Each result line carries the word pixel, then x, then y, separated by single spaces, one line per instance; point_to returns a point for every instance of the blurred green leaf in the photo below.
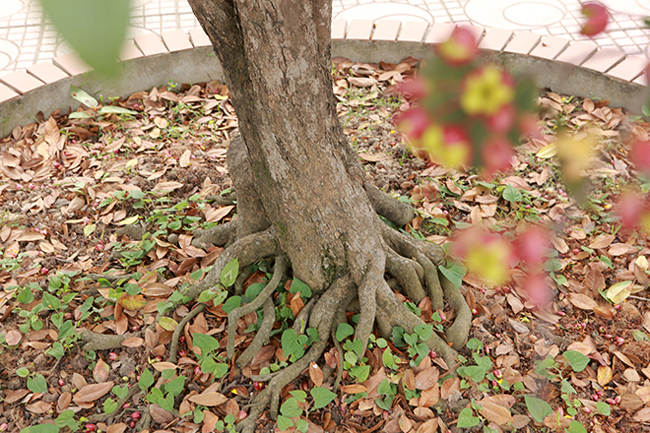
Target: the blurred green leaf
pixel 96 29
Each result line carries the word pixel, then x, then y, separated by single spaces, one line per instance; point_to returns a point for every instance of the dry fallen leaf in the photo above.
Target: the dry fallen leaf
pixel 209 399
pixel 90 393
pixel 582 301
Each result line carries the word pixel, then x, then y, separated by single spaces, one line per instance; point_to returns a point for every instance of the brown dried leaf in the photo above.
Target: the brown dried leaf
pixel 449 387
pixel 160 415
pixel 620 249
pixel 167 186
pixel 494 412
pixel 429 397
pixel 602 241
pixel 13 337
pixel 316 374
pixel 116 428
pixel 630 401
pixel 296 304
pixel 604 375
pixel 133 342
pixel 355 388
pixel 164 365
pixel 427 378
pixel 101 371
pixel 374 157
pixel 209 399
pixel 582 301
pixel 16 395
pixel 361 81
pixel 213 215
pixel 409 379
pixel 90 393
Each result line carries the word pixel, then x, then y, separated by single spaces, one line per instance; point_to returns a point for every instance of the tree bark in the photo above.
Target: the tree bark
pixel 276 58
pixel 301 191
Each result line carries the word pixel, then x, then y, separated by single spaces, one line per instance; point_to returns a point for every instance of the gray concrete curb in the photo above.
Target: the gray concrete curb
pixel 564 66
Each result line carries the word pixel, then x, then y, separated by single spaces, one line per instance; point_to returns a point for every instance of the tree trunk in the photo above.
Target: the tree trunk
pixel 300 183
pixel 277 68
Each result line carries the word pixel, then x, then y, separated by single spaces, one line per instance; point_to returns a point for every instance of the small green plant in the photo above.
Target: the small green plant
pixel 291 408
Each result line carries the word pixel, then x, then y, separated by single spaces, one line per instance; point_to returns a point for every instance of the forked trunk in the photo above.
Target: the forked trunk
pixel 276 58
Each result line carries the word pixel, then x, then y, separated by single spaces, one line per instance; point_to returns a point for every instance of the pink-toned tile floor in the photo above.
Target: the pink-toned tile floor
pixel 27 39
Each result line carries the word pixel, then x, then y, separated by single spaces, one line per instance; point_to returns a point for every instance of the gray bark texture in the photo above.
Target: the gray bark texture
pixel 275 55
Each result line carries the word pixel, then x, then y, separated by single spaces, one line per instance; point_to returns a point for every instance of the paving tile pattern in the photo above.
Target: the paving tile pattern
pixel 27 38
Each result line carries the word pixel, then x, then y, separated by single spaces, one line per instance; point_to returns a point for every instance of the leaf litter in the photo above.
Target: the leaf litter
pixel 98 209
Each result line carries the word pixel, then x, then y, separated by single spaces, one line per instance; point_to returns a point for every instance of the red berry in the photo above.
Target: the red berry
pixel 132 424
pixel 181 339
pixel 90 427
pixel 433 354
pixel 112 356
pixel 136 415
pixel 242 414
pixel 197 370
pixel 259 385
pixel 182 353
pixel 474 311
pixel 61 382
pixel 125 405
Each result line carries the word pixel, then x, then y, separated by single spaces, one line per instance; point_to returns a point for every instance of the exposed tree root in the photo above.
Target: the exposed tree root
pixel 247 250
pixel 222 234
pixel 457 333
pixel 173 349
pixel 279 270
pixel 386 206
pixel 412 263
pixel 335 297
pixel 406 273
pixel 392 313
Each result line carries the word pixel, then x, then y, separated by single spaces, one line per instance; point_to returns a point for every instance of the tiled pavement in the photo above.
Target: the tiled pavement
pixel 27 39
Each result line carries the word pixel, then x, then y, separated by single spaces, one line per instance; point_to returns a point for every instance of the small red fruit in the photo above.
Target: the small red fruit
pixel 259 385
pixel 126 405
pixel 197 370
pixel 136 415
pixel 242 414
pixel 132 424
pixel 61 382
pixel 182 353
pixel 112 356
pixel 90 427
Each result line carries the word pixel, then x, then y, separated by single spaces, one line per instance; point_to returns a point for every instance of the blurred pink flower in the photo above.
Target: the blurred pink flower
pixel 460 49
pixel 597 18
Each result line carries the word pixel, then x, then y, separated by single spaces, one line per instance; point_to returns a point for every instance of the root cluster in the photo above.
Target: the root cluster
pixel 411 263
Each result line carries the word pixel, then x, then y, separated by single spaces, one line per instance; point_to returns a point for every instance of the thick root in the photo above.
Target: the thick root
pixel 393 210
pixel 262 335
pixel 279 270
pixel 173 350
pixel 223 234
pixel 457 333
pixel 247 250
pixel 367 294
pixel 94 341
pixel 329 304
pixel 392 313
pixel 407 275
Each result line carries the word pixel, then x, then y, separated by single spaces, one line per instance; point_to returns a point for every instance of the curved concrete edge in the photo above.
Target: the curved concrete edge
pixel 573 67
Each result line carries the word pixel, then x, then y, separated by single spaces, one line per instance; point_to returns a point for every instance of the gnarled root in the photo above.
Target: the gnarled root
pixel 223 234
pixel 279 270
pixel 247 250
pixel 335 297
pixel 425 256
pixel 386 206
